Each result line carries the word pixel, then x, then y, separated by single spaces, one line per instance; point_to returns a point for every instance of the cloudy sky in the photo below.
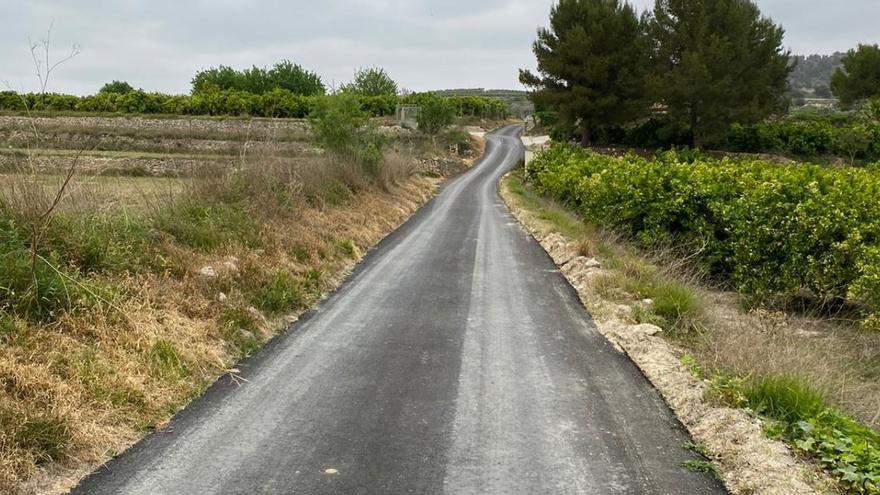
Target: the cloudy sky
pixel 424 44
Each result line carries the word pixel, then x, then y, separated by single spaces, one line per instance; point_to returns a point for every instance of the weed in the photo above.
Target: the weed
pixel 208 226
pixel 165 362
pixel 784 398
pixel 239 330
pixel 282 292
pixel 692 365
pixel 347 247
pixel 700 466
pixel 43 435
pixel 726 390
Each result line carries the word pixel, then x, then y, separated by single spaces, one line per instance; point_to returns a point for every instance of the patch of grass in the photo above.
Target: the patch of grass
pixel 165 362
pixel 37 289
pixel 700 466
pixel 692 365
pixel 281 292
pixel 564 221
pixel 726 390
pixel 102 243
pixel 239 330
pixel 300 253
pixel 207 226
pixel 347 247
pixel 101 380
pixel 785 398
pixel 333 192
pixel 677 304
pixel 43 435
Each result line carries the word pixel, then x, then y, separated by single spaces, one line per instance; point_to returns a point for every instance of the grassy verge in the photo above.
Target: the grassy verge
pixel 805 377
pixel 136 293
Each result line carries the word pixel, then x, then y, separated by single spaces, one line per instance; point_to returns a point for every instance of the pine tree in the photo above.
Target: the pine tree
pixel 717 62
pixel 860 78
pixel 592 65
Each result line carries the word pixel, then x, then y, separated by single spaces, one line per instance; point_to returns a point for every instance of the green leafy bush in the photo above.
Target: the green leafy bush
pixel 769 229
pixel 275 102
pixel 341 127
pixel 810 137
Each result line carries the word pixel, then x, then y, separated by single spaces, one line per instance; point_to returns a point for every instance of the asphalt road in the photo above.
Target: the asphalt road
pixel 456 359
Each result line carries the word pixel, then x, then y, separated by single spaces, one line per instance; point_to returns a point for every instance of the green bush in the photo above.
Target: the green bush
pixel 275 102
pixel 435 114
pixel 36 289
pixel 282 292
pixel 809 137
pixel 769 229
pixel 783 398
pixel 340 126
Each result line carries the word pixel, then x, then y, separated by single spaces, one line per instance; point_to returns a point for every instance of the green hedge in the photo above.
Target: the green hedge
pixel 275 103
pixel 770 229
pixel 808 138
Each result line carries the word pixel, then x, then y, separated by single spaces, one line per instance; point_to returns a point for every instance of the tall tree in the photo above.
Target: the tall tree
pixel 860 77
pixel 717 62
pixel 119 87
pixel 257 80
pixel 372 81
pixel 591 64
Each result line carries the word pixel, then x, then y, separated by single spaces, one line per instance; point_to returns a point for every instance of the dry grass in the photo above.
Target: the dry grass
pixel 134 329
pixel 839 359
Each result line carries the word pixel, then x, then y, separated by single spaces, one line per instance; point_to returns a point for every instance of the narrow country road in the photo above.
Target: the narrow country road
pixel 455 360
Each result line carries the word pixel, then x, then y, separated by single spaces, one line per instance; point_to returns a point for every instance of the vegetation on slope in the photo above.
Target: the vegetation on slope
pixel 130 295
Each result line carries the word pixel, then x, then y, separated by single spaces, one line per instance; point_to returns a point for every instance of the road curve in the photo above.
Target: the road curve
pixel 456 359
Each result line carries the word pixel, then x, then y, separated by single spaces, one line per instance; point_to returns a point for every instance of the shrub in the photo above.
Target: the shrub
pixel 340 126
pixel 784 398
pixel 281 292
pixel 435 114
pixel 769 229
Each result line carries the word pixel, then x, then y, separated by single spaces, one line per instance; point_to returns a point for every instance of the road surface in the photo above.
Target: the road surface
pixel 456 359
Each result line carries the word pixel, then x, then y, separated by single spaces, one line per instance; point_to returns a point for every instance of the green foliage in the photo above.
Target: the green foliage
pixel 165 362
pixel 859 78
pixel 692 365
pixel 592 63
pixel 272 103
pixel 769 229
pixel 435 115
pixel 117 87
pixel 239 327
pixel 340 126
pixel 372 81
pixel 43 434
pixel 813 137
pixel 700 466
pixel 783 398
pixel 207 226
pixel 282 292
pixel 813 71
pixel 846 449
pixel 717 62
pixel 36 289
pixel 283 75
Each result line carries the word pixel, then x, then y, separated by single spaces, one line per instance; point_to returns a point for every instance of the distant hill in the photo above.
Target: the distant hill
pixel 812 74
pixel 517 101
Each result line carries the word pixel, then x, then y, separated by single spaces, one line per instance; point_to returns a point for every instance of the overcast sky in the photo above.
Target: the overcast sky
pixel 424 44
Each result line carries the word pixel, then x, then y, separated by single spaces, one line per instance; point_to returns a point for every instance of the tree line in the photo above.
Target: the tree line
pixel 695 66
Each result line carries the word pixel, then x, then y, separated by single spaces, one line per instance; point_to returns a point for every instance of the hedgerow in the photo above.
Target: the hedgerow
pixel 808 138
pixel 768 229
pixel 275 103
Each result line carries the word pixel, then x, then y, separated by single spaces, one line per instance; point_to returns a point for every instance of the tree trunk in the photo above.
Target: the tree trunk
pixel 586 140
